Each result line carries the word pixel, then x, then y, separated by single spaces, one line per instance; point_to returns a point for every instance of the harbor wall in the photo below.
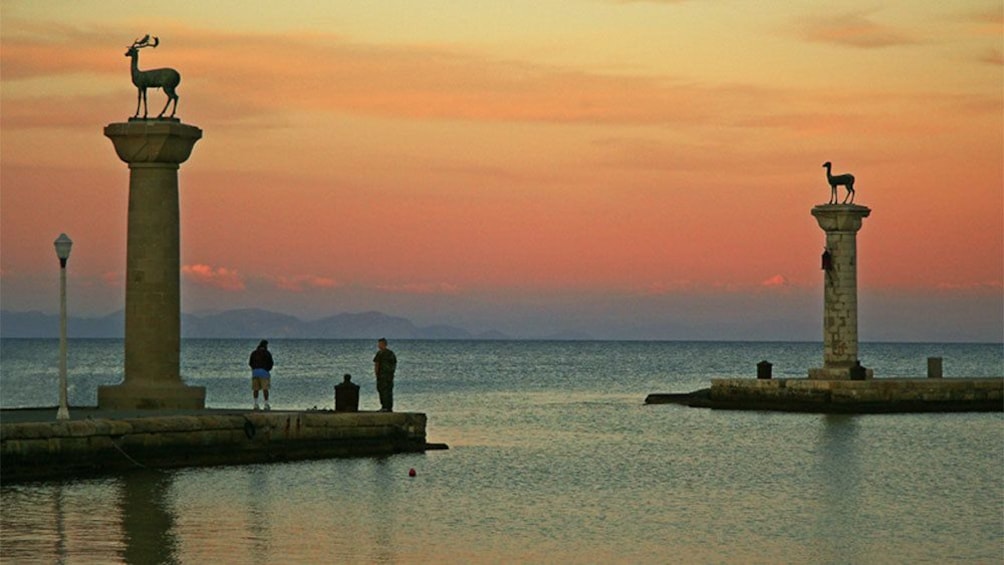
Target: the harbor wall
pixel 872 395
pixel 38 450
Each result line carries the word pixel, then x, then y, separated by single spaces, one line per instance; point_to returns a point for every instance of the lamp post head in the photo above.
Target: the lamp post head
pixel 63 245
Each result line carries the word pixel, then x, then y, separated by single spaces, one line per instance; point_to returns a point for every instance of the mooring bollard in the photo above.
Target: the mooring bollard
pixel 347 395
pixel 858 373
pixel 934 368
pixel 764 370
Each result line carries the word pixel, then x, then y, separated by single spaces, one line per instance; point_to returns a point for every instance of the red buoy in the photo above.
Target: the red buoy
pixel 411 472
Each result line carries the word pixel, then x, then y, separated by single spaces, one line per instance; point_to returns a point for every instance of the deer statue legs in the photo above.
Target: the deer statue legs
pixel 141 101
pixel 850 194
pixel 171 97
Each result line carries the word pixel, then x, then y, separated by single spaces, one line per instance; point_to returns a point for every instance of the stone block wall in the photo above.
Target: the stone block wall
pixel 33 450
pixel 875 395
pixel 840 289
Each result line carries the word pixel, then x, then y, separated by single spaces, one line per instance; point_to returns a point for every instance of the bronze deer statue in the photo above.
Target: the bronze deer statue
pixel 167 79
pixel 845 180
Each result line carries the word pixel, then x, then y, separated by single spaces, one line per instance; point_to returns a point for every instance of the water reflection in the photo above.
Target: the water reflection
pixel 382 501
pixel 259 494
pixel 60 520
pixel 838 473
pixel 147 523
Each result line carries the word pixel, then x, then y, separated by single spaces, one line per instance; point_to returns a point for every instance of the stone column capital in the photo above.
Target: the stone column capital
pixel 840 217
pixel 153 141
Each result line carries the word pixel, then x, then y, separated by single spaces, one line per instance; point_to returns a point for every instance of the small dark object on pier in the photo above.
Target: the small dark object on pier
pixel 347 395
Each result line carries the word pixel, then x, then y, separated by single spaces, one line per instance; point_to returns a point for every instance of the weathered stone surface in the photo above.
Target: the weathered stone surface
pixel 153 141
pixel 876 395
pixel 31 450
pixel 840 304
pixel 154 150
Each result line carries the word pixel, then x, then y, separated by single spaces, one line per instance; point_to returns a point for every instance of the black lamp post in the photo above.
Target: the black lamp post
pixel 63 245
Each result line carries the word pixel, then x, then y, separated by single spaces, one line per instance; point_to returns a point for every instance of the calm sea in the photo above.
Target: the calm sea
pixel 553 458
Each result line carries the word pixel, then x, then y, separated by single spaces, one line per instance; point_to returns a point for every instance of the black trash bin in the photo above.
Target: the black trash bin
pixel 858 373
pixel 763 370
pixel 347 396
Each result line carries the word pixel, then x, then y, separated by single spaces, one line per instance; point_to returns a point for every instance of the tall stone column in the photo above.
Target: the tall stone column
pixel 154 150
pixel 841 223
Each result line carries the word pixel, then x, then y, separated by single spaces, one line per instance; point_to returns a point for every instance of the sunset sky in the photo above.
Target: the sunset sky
pixel 627 169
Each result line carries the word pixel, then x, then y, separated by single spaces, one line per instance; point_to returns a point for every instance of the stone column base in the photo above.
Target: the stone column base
pixel 836 374
pixel 146 397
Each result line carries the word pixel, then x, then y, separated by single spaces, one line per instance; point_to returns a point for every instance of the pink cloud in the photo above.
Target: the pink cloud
pixel 220 277
pixel 299 283
pixel 113 279
pixel 775 282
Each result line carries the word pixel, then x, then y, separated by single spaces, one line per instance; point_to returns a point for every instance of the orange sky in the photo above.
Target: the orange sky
pixel 613 167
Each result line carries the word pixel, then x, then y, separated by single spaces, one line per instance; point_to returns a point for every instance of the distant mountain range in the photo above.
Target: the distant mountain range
pixel 247 323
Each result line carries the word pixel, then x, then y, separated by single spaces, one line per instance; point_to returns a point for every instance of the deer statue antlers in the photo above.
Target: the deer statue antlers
pixel 145 42
pixel 166 79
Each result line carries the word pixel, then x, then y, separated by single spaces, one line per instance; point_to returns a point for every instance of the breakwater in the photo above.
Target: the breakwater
pixel 846 396
pixel 99 442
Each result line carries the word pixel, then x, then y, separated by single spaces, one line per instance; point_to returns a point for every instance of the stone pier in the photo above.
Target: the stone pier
pixel 33 446
pixel 841 223
pixel 833 396
pixel 154 151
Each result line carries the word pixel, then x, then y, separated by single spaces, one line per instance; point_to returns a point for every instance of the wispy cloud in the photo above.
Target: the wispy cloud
pixel 993 56
pixel 421 288
pixel 661 288
pixel 687 286
pixel 326 73
pixel 219 277
pixel 301 283
pixel 988 23
pixel 317 73
pixel 985 286
pixel 772 283
pixel 32 49
pixel 852 30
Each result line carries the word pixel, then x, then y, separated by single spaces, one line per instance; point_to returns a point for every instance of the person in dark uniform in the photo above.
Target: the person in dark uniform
pixel 261 367
pixel 384 365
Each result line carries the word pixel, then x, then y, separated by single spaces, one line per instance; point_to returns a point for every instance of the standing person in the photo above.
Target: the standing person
pixel 384 365
pixel 261 365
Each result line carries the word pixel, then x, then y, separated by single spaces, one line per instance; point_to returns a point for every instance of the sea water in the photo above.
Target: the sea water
pixel 553 458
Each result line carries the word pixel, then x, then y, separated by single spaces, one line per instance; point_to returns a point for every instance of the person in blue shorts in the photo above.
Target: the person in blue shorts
pixel 261 367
